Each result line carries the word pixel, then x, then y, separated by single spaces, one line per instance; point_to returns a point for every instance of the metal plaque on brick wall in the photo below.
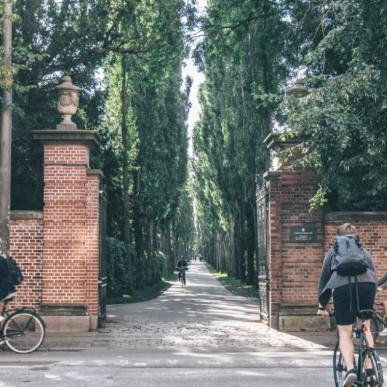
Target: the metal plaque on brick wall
pixel 302 234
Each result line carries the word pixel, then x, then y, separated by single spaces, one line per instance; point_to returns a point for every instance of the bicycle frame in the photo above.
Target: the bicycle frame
pixel 365 354
pixel 363 347
pixel 181 272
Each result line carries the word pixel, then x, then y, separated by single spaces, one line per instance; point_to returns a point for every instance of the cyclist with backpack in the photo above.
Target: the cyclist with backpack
pixel 348 274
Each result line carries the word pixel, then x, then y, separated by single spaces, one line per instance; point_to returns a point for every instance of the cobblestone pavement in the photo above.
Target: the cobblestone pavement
pixel 201 317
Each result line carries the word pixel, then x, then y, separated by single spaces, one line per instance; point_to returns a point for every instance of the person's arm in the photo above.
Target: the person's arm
pixel 325 275
pixel 370 261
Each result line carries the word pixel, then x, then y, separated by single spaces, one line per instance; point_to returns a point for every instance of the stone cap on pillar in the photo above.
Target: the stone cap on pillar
pixel 279 144
pixel 75 136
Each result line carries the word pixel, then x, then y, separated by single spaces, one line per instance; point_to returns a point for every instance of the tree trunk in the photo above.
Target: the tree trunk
pixel 137 225
pixel 237 245
pixel 125 171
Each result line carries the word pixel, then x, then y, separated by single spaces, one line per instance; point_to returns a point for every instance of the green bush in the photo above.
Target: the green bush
pixel 117 268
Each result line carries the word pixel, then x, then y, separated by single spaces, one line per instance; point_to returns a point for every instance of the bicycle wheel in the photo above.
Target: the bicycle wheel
pixel 24 332
pixel 339 368
pixel 376 380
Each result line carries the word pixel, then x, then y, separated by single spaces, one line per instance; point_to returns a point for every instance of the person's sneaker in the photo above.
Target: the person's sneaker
pixel 350 378
pixel 383 332
pixel 2 318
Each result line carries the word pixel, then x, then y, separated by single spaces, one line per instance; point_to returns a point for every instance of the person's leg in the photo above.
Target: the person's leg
pixel 345 316
pixel 367 293
pixel 346 345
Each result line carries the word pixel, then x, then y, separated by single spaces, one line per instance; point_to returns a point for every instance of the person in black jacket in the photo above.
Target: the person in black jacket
pixel 6 287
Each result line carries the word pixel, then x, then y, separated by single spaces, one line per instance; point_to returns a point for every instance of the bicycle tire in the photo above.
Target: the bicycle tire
pixel 339 368
pixel 24 331
pixel 379 367
pixel 377 379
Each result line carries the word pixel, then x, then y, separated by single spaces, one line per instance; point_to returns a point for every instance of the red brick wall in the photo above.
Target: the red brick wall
pixel 92 260
pixel 65 228
pixel 294 267
pixel 27 249
pixel 71 227
pixel 58 250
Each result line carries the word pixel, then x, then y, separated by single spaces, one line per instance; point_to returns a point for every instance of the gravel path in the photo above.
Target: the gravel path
pixel 201 317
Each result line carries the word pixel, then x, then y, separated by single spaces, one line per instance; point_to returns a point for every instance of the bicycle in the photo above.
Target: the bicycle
pixel 22 330
pixel 373 378
pixel 181 271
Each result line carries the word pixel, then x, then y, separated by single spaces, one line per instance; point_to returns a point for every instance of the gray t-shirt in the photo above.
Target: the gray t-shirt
pixel 330 280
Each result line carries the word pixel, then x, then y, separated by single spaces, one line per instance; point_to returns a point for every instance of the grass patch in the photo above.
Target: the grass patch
pixel 145 294
pixel 234 285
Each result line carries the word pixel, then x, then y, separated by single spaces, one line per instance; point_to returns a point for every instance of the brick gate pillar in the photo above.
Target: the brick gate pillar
pixel 296 243
pixel 70 231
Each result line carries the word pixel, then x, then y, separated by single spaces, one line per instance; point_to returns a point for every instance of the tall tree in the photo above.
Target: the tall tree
pixel 343 119
pixel 244 51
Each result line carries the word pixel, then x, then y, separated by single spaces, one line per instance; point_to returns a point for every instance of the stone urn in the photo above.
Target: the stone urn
pixel 67 103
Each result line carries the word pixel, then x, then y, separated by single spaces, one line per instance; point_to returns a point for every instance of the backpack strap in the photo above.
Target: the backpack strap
pixel 357 295
pixel 350 294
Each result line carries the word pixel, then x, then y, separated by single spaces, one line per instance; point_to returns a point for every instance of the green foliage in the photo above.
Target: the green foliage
pixel 116 268
pixel 244 56
pixel 234 285
pixel 126 56
pixel 145 114
pixel 345 116
pixel 147 293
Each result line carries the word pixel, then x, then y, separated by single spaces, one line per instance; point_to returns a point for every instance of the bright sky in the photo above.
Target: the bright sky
pixel 198 77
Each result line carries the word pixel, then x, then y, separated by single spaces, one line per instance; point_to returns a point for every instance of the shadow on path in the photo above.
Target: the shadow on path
pixel 201 317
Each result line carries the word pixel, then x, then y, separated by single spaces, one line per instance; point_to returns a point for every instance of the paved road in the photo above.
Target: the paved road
pixel 201 317
pixel 200 335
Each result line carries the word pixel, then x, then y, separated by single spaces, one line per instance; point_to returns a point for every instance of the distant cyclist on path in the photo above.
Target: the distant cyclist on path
pixel 181 268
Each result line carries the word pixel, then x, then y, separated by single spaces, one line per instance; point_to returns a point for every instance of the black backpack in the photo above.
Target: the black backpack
pixel 349 259
pixel 14 271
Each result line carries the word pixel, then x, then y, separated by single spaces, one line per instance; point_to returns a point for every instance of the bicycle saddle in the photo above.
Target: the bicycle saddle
pixel 365 314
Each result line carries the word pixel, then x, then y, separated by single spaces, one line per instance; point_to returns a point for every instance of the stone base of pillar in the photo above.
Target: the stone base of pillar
pixel 94 323
pixel 66 318
pixel 296 318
